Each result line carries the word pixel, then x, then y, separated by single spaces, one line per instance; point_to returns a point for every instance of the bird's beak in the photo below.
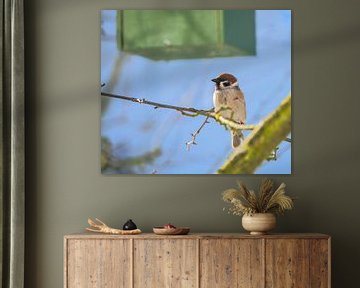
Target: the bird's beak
pixel 216 80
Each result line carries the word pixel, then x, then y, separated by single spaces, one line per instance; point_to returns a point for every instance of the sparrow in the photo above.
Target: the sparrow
pixel 229 102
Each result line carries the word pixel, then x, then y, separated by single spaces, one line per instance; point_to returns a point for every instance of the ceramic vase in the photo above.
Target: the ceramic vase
pixel 259 223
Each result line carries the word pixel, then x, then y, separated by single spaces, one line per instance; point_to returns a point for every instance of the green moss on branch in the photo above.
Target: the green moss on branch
pixel 261 142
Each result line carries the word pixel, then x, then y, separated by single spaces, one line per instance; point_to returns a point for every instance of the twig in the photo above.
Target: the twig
pixel 194 135
pixel 185 110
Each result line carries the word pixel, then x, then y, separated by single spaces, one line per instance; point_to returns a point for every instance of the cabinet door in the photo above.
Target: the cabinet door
pixel 98 263
pixel 287 263
pixel 230 263
pixel 165 263
pixel 320 263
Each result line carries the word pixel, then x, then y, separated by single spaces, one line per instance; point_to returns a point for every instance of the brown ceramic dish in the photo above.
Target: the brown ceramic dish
pixel 171 231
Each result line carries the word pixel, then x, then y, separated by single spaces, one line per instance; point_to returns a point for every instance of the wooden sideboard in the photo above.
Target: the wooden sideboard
pixel 197 260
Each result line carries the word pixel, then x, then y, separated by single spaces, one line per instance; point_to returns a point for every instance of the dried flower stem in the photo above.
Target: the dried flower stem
pixel 267 200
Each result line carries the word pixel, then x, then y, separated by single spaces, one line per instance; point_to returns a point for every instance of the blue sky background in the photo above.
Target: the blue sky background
pixel 135 129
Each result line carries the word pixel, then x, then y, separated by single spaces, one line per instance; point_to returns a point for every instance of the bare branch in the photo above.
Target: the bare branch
pixel 194 135
pixel 232 124
pixel 186 111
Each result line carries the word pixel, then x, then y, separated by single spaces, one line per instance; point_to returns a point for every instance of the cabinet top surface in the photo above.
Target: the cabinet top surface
pixel 87 235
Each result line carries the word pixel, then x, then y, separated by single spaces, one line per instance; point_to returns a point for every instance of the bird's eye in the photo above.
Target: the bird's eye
pixel 226 83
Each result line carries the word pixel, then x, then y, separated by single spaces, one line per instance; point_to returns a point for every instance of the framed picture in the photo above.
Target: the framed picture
pixel 196 92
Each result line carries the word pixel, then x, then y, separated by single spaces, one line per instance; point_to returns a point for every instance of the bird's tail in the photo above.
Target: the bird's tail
pixel 236 138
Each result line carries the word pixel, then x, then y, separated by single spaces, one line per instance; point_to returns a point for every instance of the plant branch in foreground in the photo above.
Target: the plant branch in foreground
pixel 261 142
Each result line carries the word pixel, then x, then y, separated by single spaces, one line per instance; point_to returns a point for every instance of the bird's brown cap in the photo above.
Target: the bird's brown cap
pixel 225 77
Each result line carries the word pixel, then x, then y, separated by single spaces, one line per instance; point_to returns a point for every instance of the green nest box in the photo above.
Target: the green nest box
pixel 181 34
